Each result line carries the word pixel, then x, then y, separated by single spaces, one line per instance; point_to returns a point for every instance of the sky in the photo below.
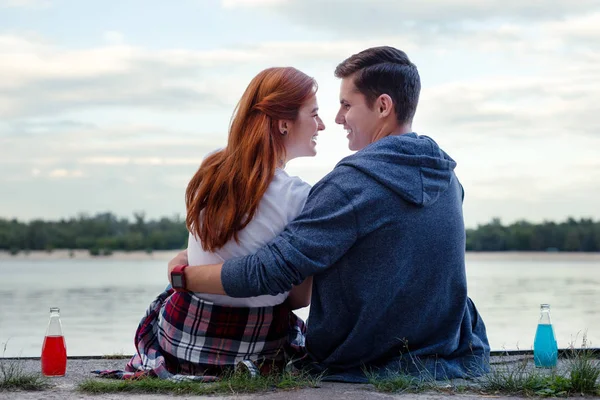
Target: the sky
pixel 111 105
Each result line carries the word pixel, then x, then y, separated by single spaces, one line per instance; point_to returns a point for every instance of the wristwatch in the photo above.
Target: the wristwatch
pixel 178 278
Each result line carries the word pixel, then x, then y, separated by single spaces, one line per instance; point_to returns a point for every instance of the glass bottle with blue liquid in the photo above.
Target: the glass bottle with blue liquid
pixel 545 348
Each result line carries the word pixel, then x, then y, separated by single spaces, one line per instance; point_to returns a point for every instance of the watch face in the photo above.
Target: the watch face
pixel 177 281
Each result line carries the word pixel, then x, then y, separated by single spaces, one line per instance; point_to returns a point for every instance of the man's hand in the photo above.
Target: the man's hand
pixel 180 259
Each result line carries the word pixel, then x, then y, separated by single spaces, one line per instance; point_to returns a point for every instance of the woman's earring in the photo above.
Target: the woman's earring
pixel 284 133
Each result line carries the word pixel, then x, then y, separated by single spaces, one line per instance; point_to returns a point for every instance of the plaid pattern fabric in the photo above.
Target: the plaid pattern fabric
pixel 183 337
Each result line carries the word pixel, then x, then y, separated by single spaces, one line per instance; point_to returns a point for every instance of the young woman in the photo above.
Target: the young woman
pixel 239 199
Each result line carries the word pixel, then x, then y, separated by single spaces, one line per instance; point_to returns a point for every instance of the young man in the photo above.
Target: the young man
pixel 383 235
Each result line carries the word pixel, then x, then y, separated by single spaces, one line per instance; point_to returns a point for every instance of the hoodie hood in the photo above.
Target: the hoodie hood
pixel 413 166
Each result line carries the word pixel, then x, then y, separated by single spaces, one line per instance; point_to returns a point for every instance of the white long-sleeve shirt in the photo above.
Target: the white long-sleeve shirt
pixel 281 203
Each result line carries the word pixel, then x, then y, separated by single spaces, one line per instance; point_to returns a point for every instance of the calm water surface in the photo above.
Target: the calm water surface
pixel 102 300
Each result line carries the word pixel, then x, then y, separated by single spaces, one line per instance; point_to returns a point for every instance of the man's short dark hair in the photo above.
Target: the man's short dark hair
pixel 385 70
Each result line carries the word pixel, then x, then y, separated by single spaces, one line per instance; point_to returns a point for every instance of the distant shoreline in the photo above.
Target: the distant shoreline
pixel 168 254
pixel 85 255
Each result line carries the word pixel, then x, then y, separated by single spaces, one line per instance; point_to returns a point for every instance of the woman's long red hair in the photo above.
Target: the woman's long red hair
pixel 222 197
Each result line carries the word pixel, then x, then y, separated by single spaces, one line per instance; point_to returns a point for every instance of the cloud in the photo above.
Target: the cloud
pixel 358 17
pixel 61 173
pixel 118 190
pixel 43 146
pixel 149 161
pixel 557 204
pixel 251 3
pixel 114 37
pixel 33 4
pixel 582 29
pixel 530 80
pixel 40 78
pixel 98 167
pixel 32 127
pixel 514 106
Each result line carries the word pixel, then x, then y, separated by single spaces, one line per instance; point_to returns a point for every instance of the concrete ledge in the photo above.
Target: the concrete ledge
pixel 494 354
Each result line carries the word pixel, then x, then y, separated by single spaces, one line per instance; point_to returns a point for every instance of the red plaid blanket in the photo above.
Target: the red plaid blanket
pixel 183 337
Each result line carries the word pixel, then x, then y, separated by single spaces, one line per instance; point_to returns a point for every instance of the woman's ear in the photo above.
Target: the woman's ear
pixel 283 126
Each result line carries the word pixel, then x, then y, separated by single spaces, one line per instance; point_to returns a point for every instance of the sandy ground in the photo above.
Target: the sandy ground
pixel 78 370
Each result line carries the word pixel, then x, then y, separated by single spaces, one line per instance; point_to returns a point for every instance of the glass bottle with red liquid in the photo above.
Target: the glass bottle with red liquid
pixel 54 349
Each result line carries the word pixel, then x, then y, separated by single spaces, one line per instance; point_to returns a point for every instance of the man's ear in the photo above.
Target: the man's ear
pixel 384 105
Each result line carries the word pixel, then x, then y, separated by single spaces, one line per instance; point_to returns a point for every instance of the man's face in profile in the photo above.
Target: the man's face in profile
pixel 358 119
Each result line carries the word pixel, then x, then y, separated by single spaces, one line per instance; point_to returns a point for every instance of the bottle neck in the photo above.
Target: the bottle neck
pixel 54 326
pixel 545 317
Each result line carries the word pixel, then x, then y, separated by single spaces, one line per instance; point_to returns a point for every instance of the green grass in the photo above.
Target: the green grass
pixel 231 384
pixel 523 379
pixel 584 371
pixel 114 356
pixel 399 383
pixel 12 377
pixel 578 375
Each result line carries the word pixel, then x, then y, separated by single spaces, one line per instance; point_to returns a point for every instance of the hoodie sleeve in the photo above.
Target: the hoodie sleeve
pixel 322 233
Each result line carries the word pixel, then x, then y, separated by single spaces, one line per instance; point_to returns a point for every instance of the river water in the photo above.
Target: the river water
pixel 103 299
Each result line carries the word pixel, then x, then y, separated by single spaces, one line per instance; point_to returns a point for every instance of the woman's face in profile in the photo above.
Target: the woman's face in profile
pixel 301 140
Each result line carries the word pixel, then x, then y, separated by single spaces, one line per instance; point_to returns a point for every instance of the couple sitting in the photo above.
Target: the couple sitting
pixel 377 247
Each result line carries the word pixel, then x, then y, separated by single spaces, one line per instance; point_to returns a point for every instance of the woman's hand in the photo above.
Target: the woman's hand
pixel 199 278
pixel 180 259
pixel 300 295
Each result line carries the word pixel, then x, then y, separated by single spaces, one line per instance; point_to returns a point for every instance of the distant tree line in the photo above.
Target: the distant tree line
pixel 104 233
pixel 571 235
pixel 100 234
